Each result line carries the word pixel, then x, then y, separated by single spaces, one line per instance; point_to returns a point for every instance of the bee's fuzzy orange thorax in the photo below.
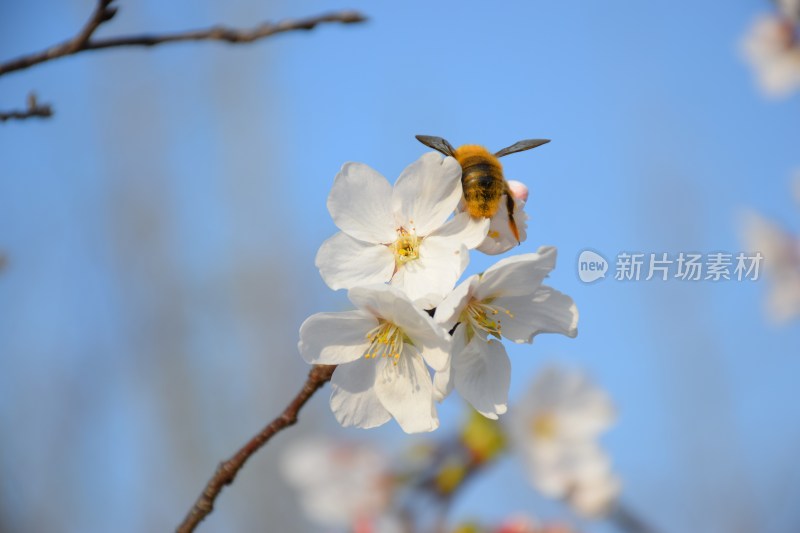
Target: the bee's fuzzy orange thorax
pixel 474 152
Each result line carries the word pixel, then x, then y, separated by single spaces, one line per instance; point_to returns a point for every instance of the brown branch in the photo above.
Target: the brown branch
pixel 230 35
pixel 83 40
pixel 226 472
pixel 34 109
pixel 102 13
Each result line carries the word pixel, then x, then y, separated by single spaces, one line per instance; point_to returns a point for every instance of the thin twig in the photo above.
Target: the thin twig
pixel 226 471
pixel 103 12
pixel 33 109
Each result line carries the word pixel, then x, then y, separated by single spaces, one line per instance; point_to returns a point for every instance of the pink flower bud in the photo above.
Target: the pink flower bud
pixel 518 190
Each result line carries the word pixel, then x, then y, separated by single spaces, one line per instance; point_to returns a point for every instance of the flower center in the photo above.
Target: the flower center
pixel 544 426
pixel 386 340
pixel 406 247
pixel 485 317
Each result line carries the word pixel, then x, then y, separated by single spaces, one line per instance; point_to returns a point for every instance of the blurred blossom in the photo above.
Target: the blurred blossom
pixel 556 528
pixel 400 234
pixel 772 49
pixel 781 251
pixel 508 300
pixel 515 524
pixel 595 487
pixel 380 524
pixel 519 524
pixel 556 428
pixel 382 349
pixel 790 9
pixel 341 484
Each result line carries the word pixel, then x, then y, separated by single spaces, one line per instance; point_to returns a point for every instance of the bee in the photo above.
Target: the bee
pixel 482 175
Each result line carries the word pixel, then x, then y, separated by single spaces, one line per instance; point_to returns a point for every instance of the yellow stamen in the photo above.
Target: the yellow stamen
pixel 406 247
pixel 386 340
pixel 484 316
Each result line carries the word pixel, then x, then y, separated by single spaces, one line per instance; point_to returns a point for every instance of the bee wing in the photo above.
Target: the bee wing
pixel 437 143
pixel 521 146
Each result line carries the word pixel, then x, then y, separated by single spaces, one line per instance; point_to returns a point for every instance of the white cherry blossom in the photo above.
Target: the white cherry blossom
pixel 401 234
pixel 508 300
pixel 382 349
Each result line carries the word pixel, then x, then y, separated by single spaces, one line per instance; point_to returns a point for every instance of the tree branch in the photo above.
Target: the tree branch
pixel 34 109
pixel 226 471
pixel 230 35
pixel 103 12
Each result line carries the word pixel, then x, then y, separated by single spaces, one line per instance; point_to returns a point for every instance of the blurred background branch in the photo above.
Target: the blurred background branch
pixel 226 472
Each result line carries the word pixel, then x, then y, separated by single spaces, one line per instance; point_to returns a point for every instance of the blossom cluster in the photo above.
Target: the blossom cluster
pixel 362 487
pixel 414 335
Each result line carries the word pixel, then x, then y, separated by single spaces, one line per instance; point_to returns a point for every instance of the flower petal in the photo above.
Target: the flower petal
pixel 500 238
pixel 518 275
pixel 429 337
pixel 427 283
pixel 360 204
pixel 547 311
pixel 335 338
pixel 426 193
pixel 443 382
pixel 449 310
pixel 353 398
pixel 393 305
pixel 443 256
pixel 482 375
pixel 406 391
pixel 381 300
pixel 463 228
pixel 345 262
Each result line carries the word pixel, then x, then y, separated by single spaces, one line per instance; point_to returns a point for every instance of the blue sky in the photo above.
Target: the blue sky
pixel 190 181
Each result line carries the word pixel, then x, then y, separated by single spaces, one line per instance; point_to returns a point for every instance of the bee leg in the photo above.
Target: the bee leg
pixel 511 222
